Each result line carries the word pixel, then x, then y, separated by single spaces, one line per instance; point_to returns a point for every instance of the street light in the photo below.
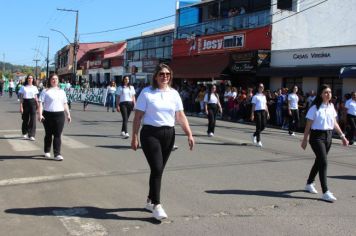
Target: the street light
pixel 75 46
pixel 62 35
pixel 46 37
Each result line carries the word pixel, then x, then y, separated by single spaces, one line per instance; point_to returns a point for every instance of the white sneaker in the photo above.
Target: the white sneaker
pixel 329 197
pixel 25 136
pixel 58 158
pixel 211 134
pixel 310 188
pixel 175 147
pixel 47 155
pixel 159 213
pixel 127 135
pixel 32 138
pixel 259 144
pixel 123 133
pixel 254 139
pixel 292 134
pixel 149 206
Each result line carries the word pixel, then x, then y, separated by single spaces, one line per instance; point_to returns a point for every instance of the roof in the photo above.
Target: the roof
pixel 86 47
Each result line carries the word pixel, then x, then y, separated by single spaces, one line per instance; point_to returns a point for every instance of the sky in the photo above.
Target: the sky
pixel 22 21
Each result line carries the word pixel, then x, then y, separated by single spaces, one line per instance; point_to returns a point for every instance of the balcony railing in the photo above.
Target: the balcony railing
pixel 239 22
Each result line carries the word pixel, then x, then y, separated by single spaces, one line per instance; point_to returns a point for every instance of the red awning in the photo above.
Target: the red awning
pixel 200 67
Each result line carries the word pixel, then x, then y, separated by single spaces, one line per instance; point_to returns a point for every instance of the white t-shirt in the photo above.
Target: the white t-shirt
pixel 324 118
pixel 125 93
pixel 213 99
pixel 28 91
pixel 293 101
pixel 159 106
pixel 11 84
pixel 227 94
pixel 260 101
pixel 53 99
pixel 351 107
pixel 111 89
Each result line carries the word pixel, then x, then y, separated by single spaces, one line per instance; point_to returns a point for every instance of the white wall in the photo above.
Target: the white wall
pixel 275 83
pixel 332 23
pixel 349 85
pixel 310 83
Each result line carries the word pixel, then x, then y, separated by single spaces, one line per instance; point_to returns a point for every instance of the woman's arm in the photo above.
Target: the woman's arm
pixel 66 110
pixel 252 111
pixel 40 111
pixel 345 142
pixel 306 134
pixel 135 128
pixel 183 121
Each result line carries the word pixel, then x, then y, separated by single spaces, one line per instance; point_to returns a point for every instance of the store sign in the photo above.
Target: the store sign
pixel 243 62
pixel 218 43
pixel 149 65
pixel 318 56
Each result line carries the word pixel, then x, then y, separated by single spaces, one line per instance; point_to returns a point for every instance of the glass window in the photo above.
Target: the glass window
pixel 159 52
pixel 167 52
pixel 335 83
pixel 136 56
pixel 143 54
pixel 291 81
pixel 151 53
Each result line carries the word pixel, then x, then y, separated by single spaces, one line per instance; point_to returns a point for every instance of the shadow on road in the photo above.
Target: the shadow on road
pixel 83 212
pixel 93 135
pixel 33 157
pixel 224 144
pixel 126 147
pixel 263 193
pixel 347 177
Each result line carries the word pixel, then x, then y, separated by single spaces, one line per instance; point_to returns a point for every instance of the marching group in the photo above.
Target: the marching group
pixel 159 106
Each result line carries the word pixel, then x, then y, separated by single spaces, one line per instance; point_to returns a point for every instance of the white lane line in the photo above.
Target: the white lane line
pixel 72 143
pixel 19 144
pixel 15 130
pixel 77 225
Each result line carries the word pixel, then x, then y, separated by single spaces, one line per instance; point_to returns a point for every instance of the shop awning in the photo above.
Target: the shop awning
pixel 348 72
pixel 306 71
pixel 200 67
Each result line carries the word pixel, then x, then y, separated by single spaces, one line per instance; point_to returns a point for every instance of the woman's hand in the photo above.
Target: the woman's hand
pixel 191 142
pixel 304 143
pixel 41 118
pixel 21 110
pixel 69 119
pixel 134 143
pixel 344 140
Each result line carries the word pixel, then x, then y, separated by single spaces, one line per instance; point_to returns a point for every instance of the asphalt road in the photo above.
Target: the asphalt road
pixel 225 186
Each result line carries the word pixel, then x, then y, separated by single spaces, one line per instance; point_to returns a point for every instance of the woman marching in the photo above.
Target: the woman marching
pixel 350 108
pixel 212 106
pixel 158 105
pixel 110 98
pixel 321 121
pixel 28 106
pixel 260 114
pixel 53 105
pixel 125 102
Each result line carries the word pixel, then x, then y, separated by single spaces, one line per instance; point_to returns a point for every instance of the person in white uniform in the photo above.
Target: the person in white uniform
pixel 260 114
pixel 158 106
pixel 350 107
pixel 28 106
pixel 53 105
pixel 293 111
pixel 321 121
pixel 212 106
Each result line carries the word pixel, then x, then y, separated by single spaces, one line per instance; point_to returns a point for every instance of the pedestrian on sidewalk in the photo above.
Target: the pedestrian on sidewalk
pixel 321 121
pixel 28 106
pixel 125 103
pixel 53 104
pixel 260 114
pixel 110 97
pixel 212 106
pixel 293 111
pixel 350 107
pixel 158 106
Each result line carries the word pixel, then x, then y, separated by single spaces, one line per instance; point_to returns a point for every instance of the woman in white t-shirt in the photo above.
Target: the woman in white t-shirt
pixel 212 106
pixel 260 114
pixel 53 104
pixel 110 97
pixel 11 87
pixel 321 121
pixel 125 102
pixel 350 107
pixel 28 106
pixel 293 111
pixel 158 106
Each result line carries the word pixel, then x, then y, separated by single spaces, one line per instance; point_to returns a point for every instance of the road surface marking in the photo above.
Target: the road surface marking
pixel 77 224
pixel 72 143
pixel 20 144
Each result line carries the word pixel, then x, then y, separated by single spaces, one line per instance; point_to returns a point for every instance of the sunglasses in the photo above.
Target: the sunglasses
pixel 164 74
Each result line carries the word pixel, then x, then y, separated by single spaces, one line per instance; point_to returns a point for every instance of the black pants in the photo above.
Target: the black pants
pixel 351 120
pixel 53 124
pixel 212 111
pixel 293 121
pixel 125 108
pixel 29 117
pixel 320 142
pixel 157 144
pixel 261 120
pixel 11 90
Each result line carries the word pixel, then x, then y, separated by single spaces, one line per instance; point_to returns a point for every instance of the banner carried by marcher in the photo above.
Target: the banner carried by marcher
pixel 91 95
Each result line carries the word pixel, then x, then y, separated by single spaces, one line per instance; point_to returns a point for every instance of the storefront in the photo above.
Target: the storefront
pixel 309 68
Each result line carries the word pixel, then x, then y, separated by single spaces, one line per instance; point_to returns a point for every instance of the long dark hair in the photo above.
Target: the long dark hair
pixel 160 67
pixel 210 91
pixel 318 99
pixel 122 81
pixel 33 80
pixel 48 82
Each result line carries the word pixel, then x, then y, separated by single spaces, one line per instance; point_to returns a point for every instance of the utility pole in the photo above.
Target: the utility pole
pixel 75 44
pixel 3 63
pixel 36 71
pixel 47 60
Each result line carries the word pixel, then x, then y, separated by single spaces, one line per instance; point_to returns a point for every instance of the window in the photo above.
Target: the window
pixel 291 81
pixel 285 4
pixel 335 83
